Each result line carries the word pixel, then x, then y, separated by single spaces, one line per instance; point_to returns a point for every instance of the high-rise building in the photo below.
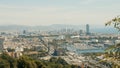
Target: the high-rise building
pixel 87 29
pixel 24 31
pixel 81 32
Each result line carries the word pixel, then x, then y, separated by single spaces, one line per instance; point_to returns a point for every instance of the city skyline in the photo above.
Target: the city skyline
pixel 38 12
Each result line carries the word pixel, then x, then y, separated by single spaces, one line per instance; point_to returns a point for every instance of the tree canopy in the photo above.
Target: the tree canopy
pixel 115 21
pixel 26 62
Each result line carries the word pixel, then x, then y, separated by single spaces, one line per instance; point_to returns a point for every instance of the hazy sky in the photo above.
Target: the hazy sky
pixel 47 12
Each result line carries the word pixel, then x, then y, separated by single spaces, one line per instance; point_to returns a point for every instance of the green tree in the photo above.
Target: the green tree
pixel 39 64
pixel 4 64
pixel 115 21
pixel 26 62
pixel 9 59
pixel 113 52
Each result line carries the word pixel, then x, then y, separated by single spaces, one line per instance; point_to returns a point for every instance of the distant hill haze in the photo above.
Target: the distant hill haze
pixel 57 27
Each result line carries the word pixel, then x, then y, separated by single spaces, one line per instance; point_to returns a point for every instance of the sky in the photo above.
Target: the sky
pixel 48 12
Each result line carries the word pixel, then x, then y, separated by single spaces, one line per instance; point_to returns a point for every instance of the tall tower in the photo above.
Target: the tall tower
pixel 87 29
pixel 24 31
pixel 81 32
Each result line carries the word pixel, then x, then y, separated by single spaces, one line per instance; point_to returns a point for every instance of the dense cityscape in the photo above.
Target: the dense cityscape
pixel 59 34
pixel 75 47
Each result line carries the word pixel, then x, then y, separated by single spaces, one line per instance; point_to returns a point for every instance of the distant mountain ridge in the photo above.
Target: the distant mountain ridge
pixel 56 27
